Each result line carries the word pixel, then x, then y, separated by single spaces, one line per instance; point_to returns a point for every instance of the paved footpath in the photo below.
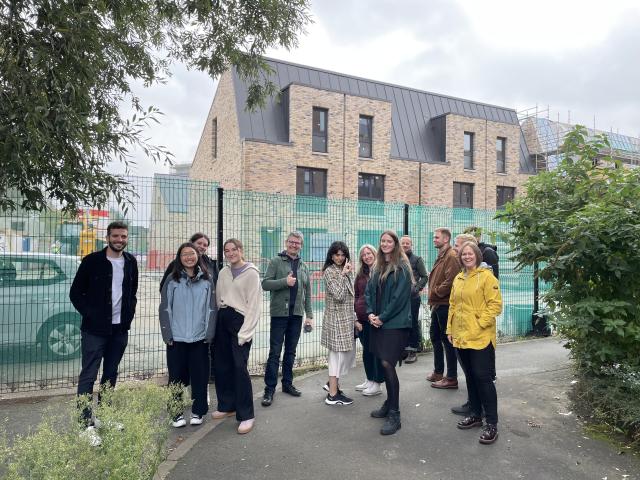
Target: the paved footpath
pixel 302 438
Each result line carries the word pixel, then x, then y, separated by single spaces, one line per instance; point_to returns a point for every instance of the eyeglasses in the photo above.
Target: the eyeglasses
pixel 294 242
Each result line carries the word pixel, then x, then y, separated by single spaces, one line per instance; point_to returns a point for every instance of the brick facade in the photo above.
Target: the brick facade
pixel 269 167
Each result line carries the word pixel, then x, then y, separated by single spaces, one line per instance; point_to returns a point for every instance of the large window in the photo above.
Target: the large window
pixel 504 195
pixel 365 137
pixel 311 188
pixel 311 181
pixel 501 155
pixel 468 150
pixel 320 117
pixel 462 195
pixel 370 187
pixel 214 137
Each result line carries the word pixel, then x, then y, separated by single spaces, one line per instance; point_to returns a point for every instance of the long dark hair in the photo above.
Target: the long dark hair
pixel 176 272
pixel 333 249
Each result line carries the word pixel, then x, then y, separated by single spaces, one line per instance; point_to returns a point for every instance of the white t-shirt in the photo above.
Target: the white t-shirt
pixel 116 288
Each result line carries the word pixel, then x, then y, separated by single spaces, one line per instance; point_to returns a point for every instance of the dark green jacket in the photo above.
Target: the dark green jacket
pixel 275 281
pixel 396 299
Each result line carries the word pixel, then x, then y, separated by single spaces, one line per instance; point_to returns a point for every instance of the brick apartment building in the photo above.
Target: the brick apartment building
pixel 336 136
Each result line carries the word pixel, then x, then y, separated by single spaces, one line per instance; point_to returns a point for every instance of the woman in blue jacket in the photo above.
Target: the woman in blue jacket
pixel 388 297
pixel 187 321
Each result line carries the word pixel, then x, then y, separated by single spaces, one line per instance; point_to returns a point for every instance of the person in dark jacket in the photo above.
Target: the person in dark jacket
pixel 372 366
pixel 104 293
pixel 187 315
pixel 420 277
pixel 388 298
pixel 201 242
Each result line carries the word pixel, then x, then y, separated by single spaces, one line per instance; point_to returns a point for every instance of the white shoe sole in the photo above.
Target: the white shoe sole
pixel 372 394
pixel 336 402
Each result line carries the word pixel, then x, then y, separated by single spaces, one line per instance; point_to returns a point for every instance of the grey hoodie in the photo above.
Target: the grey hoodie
pixel 188 310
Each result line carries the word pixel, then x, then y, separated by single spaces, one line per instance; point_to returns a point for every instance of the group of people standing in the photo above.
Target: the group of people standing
pixel 208 319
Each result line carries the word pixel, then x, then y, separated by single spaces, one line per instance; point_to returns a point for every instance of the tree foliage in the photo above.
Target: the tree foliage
pixel 581 223
pixel 66 69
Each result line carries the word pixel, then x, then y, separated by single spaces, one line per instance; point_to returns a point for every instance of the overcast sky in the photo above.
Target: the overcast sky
pixel 581 58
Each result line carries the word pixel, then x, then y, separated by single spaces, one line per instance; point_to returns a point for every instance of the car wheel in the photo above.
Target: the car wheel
pixel 61 338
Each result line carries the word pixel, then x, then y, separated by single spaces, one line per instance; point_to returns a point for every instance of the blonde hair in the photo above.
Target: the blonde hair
pixel 467 237
pixel 397 259
pixel 361 264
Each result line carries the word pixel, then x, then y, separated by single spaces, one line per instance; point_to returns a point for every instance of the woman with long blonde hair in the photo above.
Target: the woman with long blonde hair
pixel 372 365
pixel 388 297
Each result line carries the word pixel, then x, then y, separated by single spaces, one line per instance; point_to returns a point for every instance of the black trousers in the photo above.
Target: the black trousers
pixel 441 345
pixel 95 349
pixel 372 365
pixel 415 334
pixel 478 367
pixel 233 383
pixel 188 364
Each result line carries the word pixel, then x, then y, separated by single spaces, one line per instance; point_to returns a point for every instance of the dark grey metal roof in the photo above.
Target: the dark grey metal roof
pixel 412 137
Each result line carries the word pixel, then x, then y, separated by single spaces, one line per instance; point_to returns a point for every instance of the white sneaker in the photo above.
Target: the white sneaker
pixel 196 419
pixel 179 421
pixel 374 389
pixel 91 436
pixel 363 386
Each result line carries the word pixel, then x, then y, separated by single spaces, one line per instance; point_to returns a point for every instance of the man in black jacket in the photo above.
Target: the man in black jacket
pixel 104 293
pixel 420 277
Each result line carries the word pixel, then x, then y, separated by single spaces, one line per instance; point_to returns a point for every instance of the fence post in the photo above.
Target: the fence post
pixel 405 222
pixel 220 227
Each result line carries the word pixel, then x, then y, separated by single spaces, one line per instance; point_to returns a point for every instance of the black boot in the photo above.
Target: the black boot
pixel 382 412
pixel 392 425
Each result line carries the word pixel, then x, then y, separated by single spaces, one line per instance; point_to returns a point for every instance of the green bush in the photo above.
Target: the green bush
pixel 57 451
pixel 581 224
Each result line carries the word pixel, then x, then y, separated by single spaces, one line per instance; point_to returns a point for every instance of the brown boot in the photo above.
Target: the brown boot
pixel 446 383
pixel 434 377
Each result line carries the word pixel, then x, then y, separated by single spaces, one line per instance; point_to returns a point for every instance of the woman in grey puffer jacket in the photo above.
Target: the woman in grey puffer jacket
pixel 187 321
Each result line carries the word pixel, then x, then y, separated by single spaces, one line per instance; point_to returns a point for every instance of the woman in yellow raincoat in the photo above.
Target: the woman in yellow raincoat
pixel 474 304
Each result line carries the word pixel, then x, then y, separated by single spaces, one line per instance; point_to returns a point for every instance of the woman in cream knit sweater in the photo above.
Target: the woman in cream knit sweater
pixel 239 300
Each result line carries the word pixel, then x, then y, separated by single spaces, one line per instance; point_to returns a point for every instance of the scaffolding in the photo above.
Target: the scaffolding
pixel 545 136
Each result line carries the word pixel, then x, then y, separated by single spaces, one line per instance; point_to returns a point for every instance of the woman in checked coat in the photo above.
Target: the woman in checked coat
pixel 339 319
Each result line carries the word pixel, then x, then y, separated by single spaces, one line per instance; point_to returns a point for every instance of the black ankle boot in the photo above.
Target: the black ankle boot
pixel 392 425
pixel 382 412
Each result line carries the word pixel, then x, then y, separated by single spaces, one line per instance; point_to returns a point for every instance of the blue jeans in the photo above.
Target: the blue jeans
pixel 284 330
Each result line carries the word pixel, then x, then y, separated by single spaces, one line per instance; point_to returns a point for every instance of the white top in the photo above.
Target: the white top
pixel 116 288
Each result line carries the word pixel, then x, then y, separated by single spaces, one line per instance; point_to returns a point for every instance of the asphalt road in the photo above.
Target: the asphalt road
pixel 302 438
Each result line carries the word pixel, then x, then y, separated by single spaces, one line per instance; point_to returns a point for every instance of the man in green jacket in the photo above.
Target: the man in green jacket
pixel 288 280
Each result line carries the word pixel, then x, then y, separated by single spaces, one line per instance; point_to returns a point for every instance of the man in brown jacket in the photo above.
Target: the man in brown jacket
pixel 445 269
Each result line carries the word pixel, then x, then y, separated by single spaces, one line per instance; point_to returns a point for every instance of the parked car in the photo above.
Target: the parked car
pixel 34 303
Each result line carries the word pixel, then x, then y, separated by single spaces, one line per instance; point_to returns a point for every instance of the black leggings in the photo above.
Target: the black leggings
pixel 392 383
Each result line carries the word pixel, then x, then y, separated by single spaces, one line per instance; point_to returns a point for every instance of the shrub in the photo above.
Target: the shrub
pixel 581 224
pixel 57 451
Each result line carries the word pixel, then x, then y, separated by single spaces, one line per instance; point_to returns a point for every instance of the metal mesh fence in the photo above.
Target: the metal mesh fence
pixel 40 252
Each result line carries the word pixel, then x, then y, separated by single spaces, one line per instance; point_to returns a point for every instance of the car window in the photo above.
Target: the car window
pixel 33 271
pixel 7 272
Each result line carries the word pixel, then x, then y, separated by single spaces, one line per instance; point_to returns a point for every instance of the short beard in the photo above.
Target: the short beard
pixel 117 249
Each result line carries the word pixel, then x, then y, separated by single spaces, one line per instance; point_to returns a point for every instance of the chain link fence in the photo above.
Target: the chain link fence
pixel 40 252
